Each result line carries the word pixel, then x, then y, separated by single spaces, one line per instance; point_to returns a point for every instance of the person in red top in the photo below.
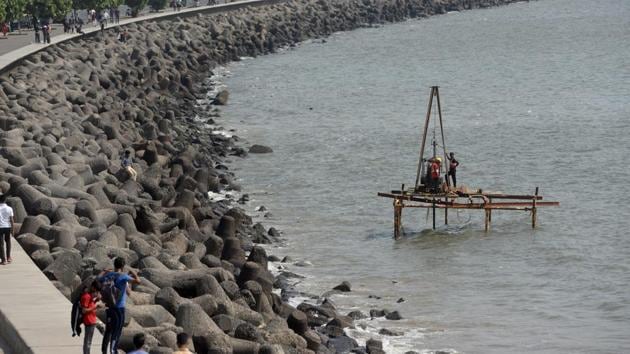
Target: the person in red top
pixel 89 303
pixel 435 173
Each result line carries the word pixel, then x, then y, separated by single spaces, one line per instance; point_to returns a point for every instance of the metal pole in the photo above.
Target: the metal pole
pixel 424 136
pixel 487 221
pixel 433 214
pixel 398 205
pixel 534 209
pixel 490 215
pixel 446 212
pixel 446 165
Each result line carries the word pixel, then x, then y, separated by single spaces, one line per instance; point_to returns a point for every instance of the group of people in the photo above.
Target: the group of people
pixel 72 25
pixel 97 17
pixel 45 28
pixel 434 172
pixel 110 290
pixel 178 4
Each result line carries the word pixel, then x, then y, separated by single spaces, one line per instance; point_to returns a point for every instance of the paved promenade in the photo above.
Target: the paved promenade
pixel 34 315
pixel 12 57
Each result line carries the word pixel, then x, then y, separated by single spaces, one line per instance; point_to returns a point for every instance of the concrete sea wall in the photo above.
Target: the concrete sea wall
pixel 68 112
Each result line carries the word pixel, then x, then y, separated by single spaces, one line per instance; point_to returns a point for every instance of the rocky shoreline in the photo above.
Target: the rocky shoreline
pixel 68 112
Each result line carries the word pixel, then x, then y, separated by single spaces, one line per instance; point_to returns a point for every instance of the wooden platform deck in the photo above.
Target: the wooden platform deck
pixel 460 200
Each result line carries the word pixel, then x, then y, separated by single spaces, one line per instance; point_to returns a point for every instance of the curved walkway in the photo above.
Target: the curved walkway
pixel 34 315
pixel 8 60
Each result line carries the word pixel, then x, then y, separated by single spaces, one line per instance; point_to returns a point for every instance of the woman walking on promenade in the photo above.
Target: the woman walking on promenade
pixel 6 230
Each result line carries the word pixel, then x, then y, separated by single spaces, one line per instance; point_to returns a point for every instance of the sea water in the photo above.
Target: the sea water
pixel 533 94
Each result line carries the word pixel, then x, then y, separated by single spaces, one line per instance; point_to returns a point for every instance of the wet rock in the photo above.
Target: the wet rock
pixel 357 315
pixel 342 344
pixel 340 321
pixel 334 331
pixel 394 316
pixel 221 98
pixel 297 321
pixel 313 340
pixel 390 332
pixel 377 313
pixel 273 232
pixel 260 149
pixel 343 287
pixel 373 346
pixel 258 255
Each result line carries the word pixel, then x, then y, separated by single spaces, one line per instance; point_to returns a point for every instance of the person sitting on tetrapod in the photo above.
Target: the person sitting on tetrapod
pixel 126 164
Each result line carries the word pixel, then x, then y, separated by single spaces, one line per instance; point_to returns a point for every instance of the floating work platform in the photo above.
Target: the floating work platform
pixel 434 193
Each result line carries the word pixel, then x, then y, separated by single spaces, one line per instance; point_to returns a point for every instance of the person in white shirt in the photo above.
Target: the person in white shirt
pixel 6 230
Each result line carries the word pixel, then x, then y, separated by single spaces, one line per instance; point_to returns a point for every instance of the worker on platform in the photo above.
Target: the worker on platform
pixel 435 173
pixel 452 168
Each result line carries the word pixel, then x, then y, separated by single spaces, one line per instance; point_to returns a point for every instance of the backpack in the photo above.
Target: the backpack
pixel 76 316
pixel 110 294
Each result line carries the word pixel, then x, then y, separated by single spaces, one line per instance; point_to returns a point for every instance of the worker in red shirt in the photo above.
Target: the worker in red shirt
pixel 435 173
pixel 90 301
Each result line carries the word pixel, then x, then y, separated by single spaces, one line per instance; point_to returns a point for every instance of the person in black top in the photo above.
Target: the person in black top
pixel 36 28
pixel 452 168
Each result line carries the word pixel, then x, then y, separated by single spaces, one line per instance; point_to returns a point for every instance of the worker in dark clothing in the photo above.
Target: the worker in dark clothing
pixel 452 168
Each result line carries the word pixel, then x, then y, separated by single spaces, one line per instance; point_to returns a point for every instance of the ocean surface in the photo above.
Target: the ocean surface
pixel 533 94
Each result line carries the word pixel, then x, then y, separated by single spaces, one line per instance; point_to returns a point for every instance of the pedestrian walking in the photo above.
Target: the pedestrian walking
pixel 36 29
pixel 90 301
pixel 78 26
pixel 114 295
pixel 46 32
pixel 92 16
pixel 6 230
